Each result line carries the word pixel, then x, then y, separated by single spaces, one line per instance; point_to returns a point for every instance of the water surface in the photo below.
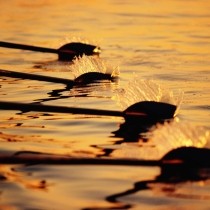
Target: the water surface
pixel 166 41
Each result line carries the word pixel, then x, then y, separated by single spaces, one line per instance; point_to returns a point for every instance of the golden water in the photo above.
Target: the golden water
pixel 166 41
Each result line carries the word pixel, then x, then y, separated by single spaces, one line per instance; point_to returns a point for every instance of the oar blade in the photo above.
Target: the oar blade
pixel 76 49
pixel 150 110
pixel 90 77
pixel 189 156
pixel 66 52
pixel 185 164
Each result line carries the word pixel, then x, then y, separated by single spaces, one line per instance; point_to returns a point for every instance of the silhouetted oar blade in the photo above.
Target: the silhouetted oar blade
pixel 76 49
pixel 201 155
pixel 81 48
pixel 135 111
pixel 81 80
pixel 92 77
pixel 151 109
pixel 190 156
pixel 184 164
pixel 66 52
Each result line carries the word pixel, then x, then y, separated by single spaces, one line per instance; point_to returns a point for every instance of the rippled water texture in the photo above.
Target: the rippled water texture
pixel 163 44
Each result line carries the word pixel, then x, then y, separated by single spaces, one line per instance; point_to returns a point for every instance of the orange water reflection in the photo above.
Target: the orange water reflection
pixel 166 40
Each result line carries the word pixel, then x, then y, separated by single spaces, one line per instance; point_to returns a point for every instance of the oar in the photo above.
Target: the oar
pixel 82 79
pixel 145 109
pixel 180 165
pixel 66 52
pixel 188 157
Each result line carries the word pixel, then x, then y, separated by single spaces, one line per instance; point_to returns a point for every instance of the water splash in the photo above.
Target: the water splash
pixel 68 38
pixel 146 90
pixel 86 64
pixel 78 38
pixel 163 138
pixel 186 133
pixel 171 135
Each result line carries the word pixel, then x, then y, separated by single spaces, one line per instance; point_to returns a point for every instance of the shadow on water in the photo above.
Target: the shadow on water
pixel 88 82
pixel 168 183
pixel 130 131
pixel 56 95
pixel 194 169
pixel 84 81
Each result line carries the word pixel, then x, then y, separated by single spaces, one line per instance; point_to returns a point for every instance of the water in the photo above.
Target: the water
pixel 166 42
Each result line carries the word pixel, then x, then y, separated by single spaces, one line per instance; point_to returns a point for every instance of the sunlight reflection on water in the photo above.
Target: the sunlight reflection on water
pixel 165 41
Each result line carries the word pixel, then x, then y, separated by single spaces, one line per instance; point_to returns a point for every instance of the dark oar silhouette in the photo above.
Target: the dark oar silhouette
pixel 135 112
pixel 179 165
pixel 172 164
pixel 82 79
pixel 66 52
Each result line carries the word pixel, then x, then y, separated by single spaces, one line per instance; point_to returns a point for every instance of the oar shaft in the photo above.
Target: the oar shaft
pixel 27 47
pixel 50 160
pixel 30 76
pixel 57 109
